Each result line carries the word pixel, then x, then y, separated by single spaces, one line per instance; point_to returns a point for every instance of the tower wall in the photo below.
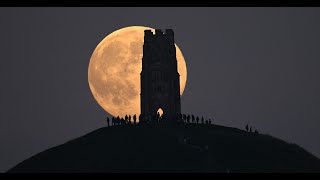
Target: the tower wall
pixel 160 86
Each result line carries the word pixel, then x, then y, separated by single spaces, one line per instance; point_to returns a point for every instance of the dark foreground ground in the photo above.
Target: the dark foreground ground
pixel 188 148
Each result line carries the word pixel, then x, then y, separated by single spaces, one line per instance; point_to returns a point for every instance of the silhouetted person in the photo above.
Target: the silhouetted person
pixel 118 120
pixel 108 121
pixel 128 121
pixel 210 121
pixel 188 117
pixel 192 117
pixel 197 119
pixel 123 122
pixel 256 132
pixel 207 122
pixel 140 118
pixel 247 128
pixel 134 119
pixel 184 117
pixel 126 118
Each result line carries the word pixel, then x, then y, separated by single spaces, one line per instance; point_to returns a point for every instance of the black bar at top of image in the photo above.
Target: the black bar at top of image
pixel 162 3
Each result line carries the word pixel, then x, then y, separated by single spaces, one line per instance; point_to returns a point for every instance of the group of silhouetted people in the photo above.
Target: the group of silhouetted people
pixel 249 129
pixel 127 120
pixel 187 118
pixel 115 121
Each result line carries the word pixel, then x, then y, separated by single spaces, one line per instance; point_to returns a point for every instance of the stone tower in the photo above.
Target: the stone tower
pixel 160 86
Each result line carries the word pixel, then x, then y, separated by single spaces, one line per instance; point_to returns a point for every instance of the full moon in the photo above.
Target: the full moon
pixel 114 71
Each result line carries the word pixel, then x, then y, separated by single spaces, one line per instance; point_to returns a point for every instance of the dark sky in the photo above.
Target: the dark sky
pixel 256 65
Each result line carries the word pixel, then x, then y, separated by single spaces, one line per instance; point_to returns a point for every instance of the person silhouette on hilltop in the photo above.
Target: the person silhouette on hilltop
pixel 123 122
pixel 108 121
pixel 188 117
pixel 114 121
pixel 247 128
pixel 158 116
pixel 134 119
pixel 129 118
pixel 118 120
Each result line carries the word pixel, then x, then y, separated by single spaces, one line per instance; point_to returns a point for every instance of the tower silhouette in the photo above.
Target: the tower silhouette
pixel 160 84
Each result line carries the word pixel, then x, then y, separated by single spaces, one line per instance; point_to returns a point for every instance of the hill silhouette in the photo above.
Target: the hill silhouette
pixel 185 148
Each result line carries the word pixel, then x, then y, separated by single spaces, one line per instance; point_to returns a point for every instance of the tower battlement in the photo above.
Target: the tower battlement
pixel 159 35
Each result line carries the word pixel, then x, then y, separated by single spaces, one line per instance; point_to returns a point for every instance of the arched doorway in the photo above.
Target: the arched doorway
pixel 160 115
pixel 160 112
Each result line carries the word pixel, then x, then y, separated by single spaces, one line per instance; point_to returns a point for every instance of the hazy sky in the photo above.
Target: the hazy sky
pixel 256 65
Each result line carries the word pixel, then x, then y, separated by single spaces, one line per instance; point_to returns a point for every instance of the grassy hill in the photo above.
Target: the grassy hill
pixel 184 148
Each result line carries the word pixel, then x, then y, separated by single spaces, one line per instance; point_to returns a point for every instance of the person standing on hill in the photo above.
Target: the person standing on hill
pixel 134 119
pixel 108 121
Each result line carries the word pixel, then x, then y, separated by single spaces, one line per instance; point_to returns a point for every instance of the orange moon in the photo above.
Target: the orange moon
pixel 114 71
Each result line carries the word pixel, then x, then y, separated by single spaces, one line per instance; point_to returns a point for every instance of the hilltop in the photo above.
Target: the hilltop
pixel 185 148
